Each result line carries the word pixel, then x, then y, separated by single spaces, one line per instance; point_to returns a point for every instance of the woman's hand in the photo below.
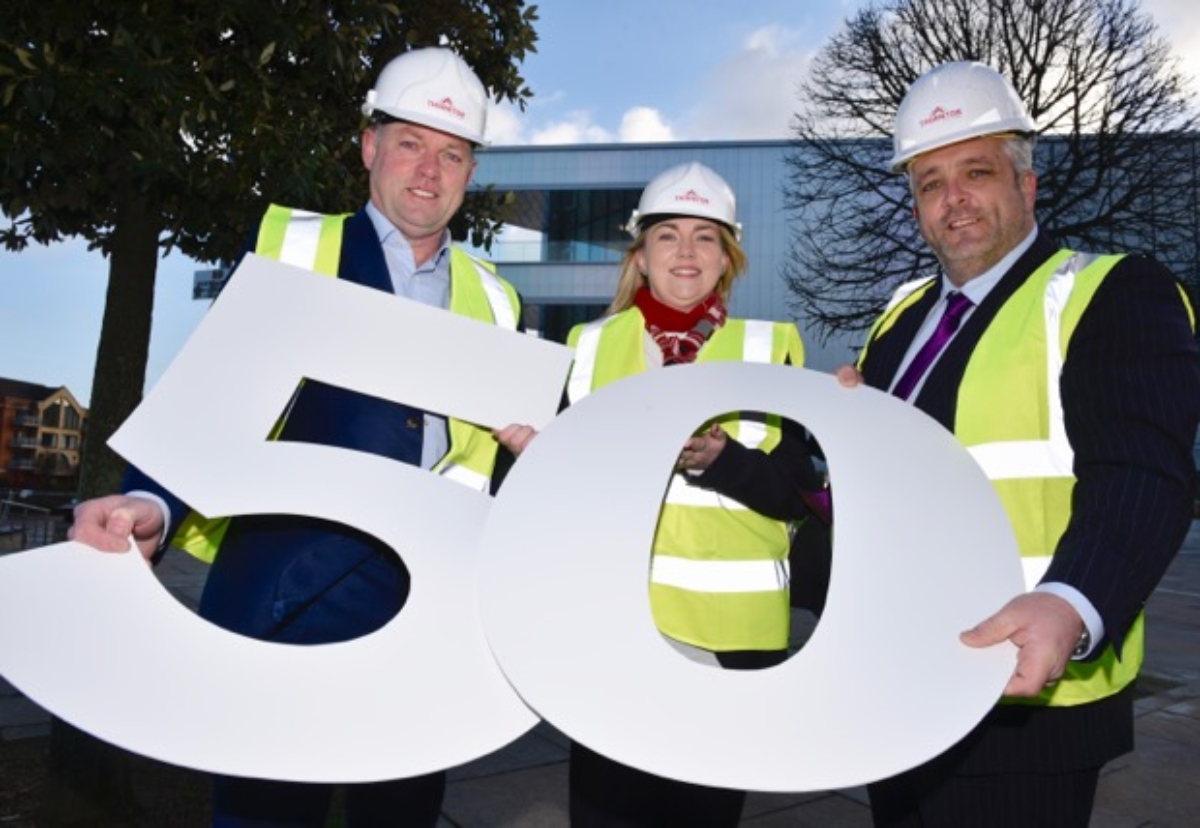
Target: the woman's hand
pixel 700 451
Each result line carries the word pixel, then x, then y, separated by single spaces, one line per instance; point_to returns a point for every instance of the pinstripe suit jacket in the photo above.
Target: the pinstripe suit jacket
pixel 1131 399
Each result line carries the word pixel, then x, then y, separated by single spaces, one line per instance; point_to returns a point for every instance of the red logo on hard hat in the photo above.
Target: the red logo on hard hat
pixel 940 113
pixel 692 195
pixel 447 105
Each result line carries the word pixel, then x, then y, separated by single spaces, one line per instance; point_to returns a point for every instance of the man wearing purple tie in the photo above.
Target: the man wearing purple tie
pixel 1073 380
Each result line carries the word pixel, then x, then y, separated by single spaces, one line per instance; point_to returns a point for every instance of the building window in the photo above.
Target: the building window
pixel 565 226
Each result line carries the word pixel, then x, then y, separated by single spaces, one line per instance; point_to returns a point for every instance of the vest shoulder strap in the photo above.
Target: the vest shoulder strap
pixel 301 238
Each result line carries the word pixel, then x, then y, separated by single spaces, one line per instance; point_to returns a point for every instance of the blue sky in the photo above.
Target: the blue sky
pixel 620 70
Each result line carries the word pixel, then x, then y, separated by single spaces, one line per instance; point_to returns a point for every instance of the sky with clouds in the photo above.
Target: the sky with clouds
pixel 612 71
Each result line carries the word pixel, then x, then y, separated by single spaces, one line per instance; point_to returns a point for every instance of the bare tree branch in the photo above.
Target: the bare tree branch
pixel 1116 162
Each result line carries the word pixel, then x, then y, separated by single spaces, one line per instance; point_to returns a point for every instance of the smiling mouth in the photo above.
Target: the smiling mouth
pixel 419 193
pixel 959 224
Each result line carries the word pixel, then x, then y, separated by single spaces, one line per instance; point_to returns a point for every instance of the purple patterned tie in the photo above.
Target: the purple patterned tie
pixel 956 305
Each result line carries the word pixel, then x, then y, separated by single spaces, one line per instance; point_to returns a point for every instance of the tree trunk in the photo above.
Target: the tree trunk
pixel 120 372
pixel 89 781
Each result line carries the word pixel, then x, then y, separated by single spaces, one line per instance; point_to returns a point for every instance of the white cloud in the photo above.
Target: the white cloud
pixel 752 93
pixel 576 128
pixel 644 124
pixel 509 126
pixel 1178 22
pixel 504 124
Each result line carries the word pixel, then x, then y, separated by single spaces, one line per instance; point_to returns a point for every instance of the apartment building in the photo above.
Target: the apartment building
pixel 41 436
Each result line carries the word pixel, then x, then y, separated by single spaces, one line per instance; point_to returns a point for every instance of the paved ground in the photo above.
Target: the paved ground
pixel 524 785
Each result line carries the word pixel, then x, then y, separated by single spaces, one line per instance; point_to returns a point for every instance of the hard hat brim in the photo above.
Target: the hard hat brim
pixel 901 161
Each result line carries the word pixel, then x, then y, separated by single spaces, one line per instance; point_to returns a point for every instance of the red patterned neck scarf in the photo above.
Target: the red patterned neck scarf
pixel 680 334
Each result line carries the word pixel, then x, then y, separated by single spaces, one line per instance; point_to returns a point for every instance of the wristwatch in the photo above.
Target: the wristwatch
pixel 1083 644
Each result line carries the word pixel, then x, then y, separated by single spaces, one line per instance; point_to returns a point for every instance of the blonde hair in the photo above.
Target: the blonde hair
pixel 631 278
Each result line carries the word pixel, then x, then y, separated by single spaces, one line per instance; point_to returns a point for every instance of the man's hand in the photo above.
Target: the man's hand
pixel 106 523
pixel 515 437
pixel 848 376
pixel 1045 629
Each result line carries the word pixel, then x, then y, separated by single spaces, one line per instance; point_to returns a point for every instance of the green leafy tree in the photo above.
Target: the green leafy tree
pixel 147 126
pixel 1116 159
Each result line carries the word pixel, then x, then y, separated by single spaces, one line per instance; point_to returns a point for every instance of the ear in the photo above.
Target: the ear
pixel 1029 188
pixel 640 259
pixel 368 146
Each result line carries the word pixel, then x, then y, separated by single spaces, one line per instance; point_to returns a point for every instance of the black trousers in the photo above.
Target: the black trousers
pixel 927 799
pixel 607 794
pixel 259 803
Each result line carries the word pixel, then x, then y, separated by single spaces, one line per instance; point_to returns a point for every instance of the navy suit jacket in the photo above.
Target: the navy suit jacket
pixel 1131 399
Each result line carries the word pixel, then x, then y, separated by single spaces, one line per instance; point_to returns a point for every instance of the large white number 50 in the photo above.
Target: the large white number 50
pixel 923 550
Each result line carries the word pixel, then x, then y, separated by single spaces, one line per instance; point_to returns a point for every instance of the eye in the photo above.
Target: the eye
pixel 452 158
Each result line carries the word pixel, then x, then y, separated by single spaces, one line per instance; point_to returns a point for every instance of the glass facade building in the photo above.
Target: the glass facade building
pixel 563 237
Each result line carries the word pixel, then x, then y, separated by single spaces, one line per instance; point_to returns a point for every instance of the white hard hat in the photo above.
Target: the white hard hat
pixel 690 189
pixel 954 102
pixel 434 88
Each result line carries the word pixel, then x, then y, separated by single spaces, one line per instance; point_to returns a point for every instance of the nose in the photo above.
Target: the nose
pixel 954 193
pixel 428 164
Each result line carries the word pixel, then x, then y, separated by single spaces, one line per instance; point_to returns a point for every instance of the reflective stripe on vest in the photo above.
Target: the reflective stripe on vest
pixel 583 369
pixel 488 298
pixel 905 295
pixel 312 241
pixel 1052 456
pixel 719 574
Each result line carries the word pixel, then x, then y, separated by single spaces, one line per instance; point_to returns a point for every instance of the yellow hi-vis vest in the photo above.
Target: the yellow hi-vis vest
pixel 1010 417
pixel 719 572
pixel 314 241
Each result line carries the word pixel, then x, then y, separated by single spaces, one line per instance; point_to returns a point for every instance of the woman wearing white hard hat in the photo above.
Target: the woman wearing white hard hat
pixel 671 309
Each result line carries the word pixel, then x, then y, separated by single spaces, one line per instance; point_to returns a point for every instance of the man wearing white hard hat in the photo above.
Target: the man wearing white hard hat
pixel 1073 380
pixel 718 563
pixel 299 580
